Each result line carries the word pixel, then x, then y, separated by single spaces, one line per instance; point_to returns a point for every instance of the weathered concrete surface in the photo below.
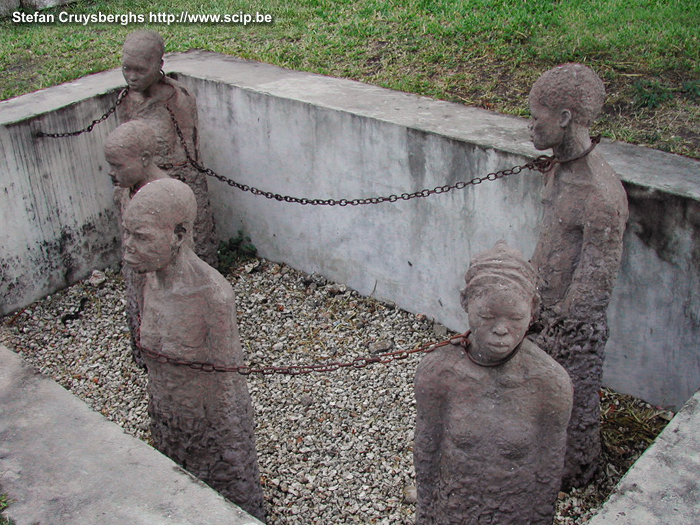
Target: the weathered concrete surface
pixel 8 6
pixel 312 136
pixel 43 4
pixel 63 463
pixel 58 218
pixel 662 487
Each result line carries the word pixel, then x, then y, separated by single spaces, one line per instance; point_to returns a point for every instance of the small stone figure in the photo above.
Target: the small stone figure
pixel 202 420
pixel 152 96
pixel 130 151
pixel 578 253
pixel 492 410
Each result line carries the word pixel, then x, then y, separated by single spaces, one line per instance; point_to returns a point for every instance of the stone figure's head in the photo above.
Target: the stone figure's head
pixel 567 95
pixel 500 299
pixel 129 151
pixel 158 221
pixel 142 59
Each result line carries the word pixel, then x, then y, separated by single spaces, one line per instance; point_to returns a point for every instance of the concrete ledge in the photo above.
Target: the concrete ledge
pixel 8 6
pixel 662 487
pixel 62 463
pixel 642 166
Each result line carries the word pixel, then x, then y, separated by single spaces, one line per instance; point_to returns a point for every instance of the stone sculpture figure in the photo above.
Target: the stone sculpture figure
pixel 203 421
pixel 152 96
pixel 492 411
pixel 130 151
pixel 578 253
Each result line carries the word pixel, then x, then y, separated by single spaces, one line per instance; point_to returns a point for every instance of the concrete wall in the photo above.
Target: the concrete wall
pixel 58 221
pixel 309 136
pixel 8 6
pixel 44 4
pixel 662 486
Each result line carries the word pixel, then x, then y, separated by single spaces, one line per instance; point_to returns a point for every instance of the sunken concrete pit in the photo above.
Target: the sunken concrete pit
pixel 310 136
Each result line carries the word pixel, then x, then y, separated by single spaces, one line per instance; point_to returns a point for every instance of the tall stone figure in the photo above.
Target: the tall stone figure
pixel 492 411
pixel 203 421
pixel 578 253
pixel 130 151
pixel 153 97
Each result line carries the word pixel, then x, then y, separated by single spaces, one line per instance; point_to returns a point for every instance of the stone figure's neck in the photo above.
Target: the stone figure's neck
pixel 154 90
pixel 576 143
pixel 150 91
pixel 168 276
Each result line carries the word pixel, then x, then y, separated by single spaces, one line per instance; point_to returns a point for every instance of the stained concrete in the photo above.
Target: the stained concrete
pixel 662 488
pixel 312 136
pixel 44 4
pixel 56 199
pixel 60 462
pixel 7 7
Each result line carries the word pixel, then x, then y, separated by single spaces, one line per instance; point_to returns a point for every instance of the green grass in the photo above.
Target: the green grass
pixel 480 52
pixel 4 503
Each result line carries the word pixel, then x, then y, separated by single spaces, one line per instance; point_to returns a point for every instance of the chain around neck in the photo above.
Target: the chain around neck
pixel 466 344
pixel 594 142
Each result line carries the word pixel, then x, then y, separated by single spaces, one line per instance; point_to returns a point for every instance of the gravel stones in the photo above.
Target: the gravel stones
pixel 79 338
pixel 333 447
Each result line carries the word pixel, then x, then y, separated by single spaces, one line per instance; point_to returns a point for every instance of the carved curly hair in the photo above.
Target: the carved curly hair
pixel 146 39
pixel 571 86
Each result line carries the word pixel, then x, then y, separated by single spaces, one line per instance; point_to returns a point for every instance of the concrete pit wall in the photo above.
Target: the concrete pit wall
pixel 7 7
pixel 58 221
pixel 310 136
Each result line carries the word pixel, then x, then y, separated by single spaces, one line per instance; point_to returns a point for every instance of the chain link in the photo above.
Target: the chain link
pixel 543 164
pixel 296 370
pixel 124 92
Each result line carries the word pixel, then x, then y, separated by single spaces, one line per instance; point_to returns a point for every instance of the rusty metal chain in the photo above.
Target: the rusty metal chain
pixel 543 164
pixel 120 98
pixel 295 370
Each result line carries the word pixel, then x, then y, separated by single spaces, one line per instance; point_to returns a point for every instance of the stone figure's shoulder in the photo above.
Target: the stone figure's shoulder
pixel 206 280
pixel 608 191
pixel 183 96
pixel 444 361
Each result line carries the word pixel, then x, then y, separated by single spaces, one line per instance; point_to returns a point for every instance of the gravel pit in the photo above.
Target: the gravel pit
pixel 333 447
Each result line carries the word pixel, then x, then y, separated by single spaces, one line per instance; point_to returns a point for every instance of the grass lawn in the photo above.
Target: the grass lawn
pixel 4 503
pixel 484 53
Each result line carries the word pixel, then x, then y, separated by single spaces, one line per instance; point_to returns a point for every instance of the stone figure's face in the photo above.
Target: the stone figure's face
pixel 141 68
pixel 125 169
pixel 498 321
pixel 547 127
pixel 148 245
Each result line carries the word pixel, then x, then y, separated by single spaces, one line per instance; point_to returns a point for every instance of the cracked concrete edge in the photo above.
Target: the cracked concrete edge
pixel 662 487
pixel 638 165
pixel 61 462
